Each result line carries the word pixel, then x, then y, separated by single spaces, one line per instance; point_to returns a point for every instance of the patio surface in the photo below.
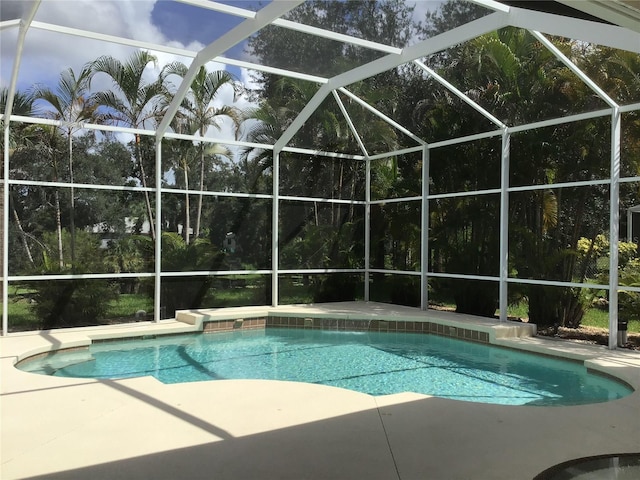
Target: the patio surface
pixel 64 428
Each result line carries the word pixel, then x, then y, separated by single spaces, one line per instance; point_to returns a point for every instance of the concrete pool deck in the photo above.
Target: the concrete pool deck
pixel 65 428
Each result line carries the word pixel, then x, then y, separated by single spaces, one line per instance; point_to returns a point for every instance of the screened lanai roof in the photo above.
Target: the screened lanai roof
pixel 614 24
pixel 40 38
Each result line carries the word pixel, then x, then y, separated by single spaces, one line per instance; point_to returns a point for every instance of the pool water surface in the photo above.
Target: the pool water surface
pixel 375 363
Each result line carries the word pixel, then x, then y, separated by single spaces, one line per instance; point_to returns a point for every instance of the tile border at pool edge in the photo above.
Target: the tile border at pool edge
pixel 368 325
pixel 222 325
pixel 350 325
pixel 513 335
pixel 332 316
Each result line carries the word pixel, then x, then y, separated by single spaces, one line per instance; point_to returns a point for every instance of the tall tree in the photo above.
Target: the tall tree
pixel 513 77
pixel 23 104
pixel 386 21
pixel 47 151
pixel 134 103
pixel 72 105
pixel 182 153
pixel 200 113
pixel 281 100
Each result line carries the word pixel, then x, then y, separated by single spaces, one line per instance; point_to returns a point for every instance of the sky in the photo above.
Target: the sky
pixel 47 54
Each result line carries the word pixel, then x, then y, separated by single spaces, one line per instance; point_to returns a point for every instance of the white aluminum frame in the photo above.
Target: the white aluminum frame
pixel 537 23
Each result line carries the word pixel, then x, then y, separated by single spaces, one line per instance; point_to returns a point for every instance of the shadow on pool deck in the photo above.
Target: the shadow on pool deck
pixel 139 428
pixel 403 438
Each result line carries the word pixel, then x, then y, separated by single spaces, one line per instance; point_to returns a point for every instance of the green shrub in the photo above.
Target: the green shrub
pixel 405 290
pixel 629 302
pixel 475 297
pixel 558 307
pixel 337 288
pixel 77 302
pixel 179 293
pixel 69 303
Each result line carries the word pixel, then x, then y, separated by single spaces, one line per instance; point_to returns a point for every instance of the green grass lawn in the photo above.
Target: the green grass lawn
pixel 21 317
pixel 127 305
pixel 594 317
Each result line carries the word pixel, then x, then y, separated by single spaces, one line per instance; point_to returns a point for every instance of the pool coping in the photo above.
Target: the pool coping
pixel 511 334
pixel 41 415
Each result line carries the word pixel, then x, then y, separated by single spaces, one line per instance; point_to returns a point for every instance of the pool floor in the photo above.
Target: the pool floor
pixel 369 362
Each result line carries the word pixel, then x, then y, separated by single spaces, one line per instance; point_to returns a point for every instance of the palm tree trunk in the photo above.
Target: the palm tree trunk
pixel 199 214
pixel 187 207
pixel 143 178
pixel 23 235
pixel 59 229
pixel 333 164
pixel 352 195
pixel 72 220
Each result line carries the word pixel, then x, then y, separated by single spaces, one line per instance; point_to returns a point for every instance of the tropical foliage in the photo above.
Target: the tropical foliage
pixel 216 219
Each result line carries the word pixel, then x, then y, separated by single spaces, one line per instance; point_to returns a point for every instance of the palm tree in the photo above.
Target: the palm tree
pixel 29 142
pixel 199 113
pixel 183 153
pixel 18 136
pixel 23 105
pixel 72 104
pixel 134 106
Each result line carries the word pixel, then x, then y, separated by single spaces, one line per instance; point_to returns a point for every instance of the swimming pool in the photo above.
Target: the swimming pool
pixel 370 362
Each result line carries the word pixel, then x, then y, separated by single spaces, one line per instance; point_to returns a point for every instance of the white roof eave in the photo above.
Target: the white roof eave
pixel 587 31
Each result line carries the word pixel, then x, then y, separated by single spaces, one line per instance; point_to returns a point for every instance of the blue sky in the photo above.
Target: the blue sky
pixel 186 23
pixel 157 21
pixel 47 54
pixel 164 22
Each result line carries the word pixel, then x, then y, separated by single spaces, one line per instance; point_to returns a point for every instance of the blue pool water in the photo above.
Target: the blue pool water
pixel 372 362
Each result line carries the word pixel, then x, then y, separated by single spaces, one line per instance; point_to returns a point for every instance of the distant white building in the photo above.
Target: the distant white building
pixel 130 223
pixel 181 229
pixel 130 226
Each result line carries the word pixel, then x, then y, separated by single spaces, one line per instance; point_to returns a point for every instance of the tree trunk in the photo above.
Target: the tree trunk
pixel 72 220
pixel 23 236
pixel 187 207
pixel 199 213
pixel 59 229
pixel 143 178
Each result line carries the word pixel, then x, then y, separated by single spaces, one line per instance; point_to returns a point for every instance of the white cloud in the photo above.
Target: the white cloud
pixel 46 54
pixel 247 78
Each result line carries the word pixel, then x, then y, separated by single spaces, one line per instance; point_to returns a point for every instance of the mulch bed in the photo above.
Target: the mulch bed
pixel 592 335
